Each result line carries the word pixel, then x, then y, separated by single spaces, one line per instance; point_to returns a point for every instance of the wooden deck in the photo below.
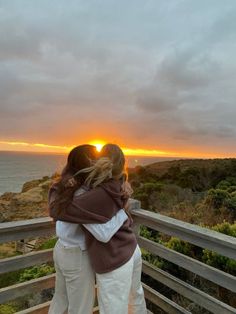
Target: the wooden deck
pixel 196 235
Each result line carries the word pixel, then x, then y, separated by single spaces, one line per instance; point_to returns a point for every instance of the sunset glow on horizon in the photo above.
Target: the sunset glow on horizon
pixel 46 148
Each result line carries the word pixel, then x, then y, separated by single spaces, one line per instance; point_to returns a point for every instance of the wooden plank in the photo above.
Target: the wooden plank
pixel 197 296
pixel 26 229
pixel 37 309
pixel 203 237
pixel 197 235
pixel 28 287
pixel 23 261
pixel 17 225
pixel 43 309
pixel 134 204
pixel 164 303
pixel 215 275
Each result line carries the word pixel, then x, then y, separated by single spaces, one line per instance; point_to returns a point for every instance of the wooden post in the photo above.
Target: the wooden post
pixel 135 205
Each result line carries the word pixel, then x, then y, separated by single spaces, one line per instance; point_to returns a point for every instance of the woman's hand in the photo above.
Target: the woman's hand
pixel 127 190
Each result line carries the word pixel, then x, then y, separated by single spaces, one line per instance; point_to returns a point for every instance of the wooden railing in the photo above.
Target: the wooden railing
pixel 201 237
pixel 196 235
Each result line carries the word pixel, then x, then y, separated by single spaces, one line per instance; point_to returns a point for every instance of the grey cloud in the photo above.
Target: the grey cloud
pixel 193 93
pixel 147 72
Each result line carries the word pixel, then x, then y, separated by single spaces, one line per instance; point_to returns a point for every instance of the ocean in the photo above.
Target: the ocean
pixel 16 168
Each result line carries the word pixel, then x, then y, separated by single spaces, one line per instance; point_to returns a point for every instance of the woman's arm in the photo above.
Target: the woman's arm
pixel 98 205
pixel 76 212
pixel 104 232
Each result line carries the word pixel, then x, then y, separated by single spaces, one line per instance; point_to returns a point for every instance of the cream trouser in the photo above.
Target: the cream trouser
pixel 120 291
pixel 74 288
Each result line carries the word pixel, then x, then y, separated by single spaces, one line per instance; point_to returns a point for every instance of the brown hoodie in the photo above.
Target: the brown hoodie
pixel 99 205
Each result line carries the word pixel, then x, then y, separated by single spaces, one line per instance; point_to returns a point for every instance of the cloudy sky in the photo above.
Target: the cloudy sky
pixel 154 75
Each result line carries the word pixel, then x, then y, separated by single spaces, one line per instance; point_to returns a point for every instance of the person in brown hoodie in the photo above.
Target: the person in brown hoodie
pixel 117 263
pixel 75 278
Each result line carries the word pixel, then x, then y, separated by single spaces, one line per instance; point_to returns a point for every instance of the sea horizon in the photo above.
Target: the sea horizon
pixel 18 167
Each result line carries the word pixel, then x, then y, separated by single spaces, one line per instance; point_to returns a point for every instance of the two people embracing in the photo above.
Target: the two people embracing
pixel 95 236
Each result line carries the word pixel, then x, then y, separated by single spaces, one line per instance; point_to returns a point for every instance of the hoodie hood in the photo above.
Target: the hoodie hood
pixel 114 189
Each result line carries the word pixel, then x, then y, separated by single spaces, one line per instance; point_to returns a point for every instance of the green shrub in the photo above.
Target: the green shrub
pixel 10 278
pixel 151 187
pixel 36 272
pixel 48 244
pixel 232 189
pixel 217 197
pixel 143 198
pixel 192 178
pixel 216 260
pixel 231 203
pixel 150 234
pixel 226 228
pixel 179 246
pixel 223 185
pixel 7 309
pixel 220 262
pixel 152 259
pixel 233 193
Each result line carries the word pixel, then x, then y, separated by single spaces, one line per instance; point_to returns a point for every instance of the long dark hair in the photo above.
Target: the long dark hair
pixel 80 157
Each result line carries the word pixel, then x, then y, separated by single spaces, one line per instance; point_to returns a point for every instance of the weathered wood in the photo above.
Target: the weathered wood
pixel 23 261
pixel 215 275
pixel 43 309
pixel 134 204
pixel 164 303
pixel 199 236
pixel 28 287
pixel 26 229
pixel 197 296
pixel 203 237
pixel 37 309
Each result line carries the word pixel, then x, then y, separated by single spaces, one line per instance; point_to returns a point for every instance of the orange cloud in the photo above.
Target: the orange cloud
pixel 32 147
pixel 46 148
pixel 13 145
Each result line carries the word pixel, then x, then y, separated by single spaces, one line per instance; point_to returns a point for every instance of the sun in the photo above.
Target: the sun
pixel 98 144
pixel 98 147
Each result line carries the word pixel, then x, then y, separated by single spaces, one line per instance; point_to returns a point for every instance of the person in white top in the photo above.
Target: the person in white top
pixel 72 235
pixel 75 279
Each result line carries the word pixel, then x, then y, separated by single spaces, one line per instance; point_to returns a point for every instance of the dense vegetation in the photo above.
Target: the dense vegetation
pixel 197 191
pixel 200 192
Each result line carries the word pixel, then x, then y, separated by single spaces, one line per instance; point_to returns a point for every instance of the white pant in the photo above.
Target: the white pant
pixel 120 291
pixel 75 286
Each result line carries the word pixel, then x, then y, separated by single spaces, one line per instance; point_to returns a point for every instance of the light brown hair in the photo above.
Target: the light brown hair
pixel 111 164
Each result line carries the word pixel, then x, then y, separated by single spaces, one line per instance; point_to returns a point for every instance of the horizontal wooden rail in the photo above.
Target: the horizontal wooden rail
pixel 196 235
pixel 215 275
pixel 27 260
pixel 197 296
pixel 37 309
pixel 25 288
pixel 26 229
pixel 43 309
pixel 161 301
pixel 203 237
